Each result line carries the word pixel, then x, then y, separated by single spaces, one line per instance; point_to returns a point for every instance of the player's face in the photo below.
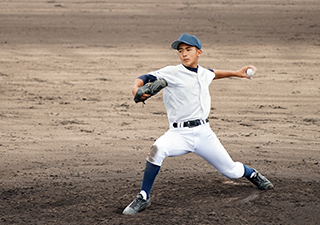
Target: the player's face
pixel 189 55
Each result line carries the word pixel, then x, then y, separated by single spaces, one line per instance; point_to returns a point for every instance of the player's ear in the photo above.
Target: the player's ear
pixel 199 52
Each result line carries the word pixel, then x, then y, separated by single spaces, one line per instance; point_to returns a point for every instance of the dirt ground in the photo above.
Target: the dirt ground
pixel 73 143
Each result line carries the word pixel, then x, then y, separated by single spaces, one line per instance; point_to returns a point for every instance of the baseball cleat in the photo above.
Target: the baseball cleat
pixel 137 205
pixel 260 181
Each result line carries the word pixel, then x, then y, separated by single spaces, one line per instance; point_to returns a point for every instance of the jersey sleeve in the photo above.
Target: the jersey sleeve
pixel 213 74
pixel 165 73
pixel 147 78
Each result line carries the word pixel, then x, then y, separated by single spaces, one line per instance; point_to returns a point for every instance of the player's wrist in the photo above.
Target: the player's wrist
pixel 134 90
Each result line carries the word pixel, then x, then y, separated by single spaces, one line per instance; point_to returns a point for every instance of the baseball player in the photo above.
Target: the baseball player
pixel 187 100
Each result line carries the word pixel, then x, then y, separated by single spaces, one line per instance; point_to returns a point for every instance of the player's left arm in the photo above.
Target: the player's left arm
pixel 228 73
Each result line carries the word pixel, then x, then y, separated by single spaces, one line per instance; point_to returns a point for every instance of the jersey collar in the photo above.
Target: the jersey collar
pixel 192 69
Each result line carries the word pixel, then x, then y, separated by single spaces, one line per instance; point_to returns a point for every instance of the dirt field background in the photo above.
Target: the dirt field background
pixel 73 143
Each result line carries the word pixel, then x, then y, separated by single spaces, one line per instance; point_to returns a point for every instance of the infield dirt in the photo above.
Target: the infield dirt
pixel 73 143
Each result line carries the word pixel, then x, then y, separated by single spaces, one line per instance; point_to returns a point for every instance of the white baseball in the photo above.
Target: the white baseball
pixel 250 72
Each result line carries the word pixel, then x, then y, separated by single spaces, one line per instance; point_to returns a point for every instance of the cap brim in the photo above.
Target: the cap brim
pixel 176 44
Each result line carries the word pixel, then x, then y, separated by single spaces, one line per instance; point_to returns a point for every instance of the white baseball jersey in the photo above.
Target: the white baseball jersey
pixel 187 95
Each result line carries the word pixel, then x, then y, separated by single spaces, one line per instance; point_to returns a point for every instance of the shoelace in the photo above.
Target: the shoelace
pixel 137 201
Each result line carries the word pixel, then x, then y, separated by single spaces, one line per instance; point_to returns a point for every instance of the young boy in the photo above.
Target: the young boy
pixel 188 103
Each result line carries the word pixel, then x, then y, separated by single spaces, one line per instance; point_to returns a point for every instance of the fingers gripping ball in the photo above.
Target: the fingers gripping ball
pixel 151 89
pixel 251 71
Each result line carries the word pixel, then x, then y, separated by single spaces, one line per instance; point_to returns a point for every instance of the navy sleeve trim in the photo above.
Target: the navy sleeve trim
pixel 211 70
pixel 147 78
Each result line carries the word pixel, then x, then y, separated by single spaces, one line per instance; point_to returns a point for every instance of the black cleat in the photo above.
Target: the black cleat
pixel 137 205
pixel 260 181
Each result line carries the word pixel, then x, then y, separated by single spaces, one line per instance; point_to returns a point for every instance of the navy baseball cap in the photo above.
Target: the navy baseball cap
pixel 187 39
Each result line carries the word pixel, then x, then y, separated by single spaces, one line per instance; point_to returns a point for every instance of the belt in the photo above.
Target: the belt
pixel 189 124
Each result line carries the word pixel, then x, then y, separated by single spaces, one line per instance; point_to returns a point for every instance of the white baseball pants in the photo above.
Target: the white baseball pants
pixel 200 140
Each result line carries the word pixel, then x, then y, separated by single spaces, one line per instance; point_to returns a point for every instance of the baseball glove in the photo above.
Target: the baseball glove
pixel 151 89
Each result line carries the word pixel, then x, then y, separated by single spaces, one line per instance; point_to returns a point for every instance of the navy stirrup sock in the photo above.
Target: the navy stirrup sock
pixel 150 173
pixel 247 171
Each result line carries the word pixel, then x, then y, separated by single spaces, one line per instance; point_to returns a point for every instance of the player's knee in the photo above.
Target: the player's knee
pixel 155 156
pixel 152 153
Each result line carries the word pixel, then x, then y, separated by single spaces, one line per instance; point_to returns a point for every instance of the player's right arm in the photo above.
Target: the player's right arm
pixel 140 81
pixel 136 84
